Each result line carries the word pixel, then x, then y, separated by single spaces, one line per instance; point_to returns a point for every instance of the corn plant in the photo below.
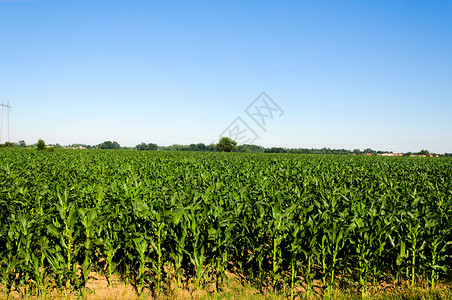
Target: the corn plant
pixel 158 225
pixel 88 219
pixel 64 231
pixel 178 236
pixel 311 252
pixel 197 232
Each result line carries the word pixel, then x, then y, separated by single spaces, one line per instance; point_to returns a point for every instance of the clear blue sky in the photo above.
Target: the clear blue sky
pixel 347 74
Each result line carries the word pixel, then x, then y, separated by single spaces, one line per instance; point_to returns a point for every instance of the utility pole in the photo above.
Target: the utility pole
pixel 8 108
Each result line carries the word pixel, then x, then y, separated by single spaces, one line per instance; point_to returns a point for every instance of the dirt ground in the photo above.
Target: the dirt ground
pixel 98 289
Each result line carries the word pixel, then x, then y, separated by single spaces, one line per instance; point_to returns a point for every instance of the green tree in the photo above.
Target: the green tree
pixel 41 145
pixel 22 144
pixel 152 146
pixel 226 145
pixel 424 152
pixel 110 145
pixel 250 148
pixel 144 146
pixel 141 146
pixel 368 150
pixel 201 147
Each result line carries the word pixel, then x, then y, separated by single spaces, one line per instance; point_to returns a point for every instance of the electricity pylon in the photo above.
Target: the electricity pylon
pixel 8 108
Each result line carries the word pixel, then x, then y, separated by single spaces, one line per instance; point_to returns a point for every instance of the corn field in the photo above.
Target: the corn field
pixel 293 224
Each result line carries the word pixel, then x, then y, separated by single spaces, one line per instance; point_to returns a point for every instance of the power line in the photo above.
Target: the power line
pixel 112 129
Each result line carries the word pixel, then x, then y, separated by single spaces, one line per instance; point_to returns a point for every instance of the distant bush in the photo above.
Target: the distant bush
pixel 6 145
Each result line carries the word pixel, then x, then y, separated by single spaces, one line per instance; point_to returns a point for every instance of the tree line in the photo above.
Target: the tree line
pixel 225 145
